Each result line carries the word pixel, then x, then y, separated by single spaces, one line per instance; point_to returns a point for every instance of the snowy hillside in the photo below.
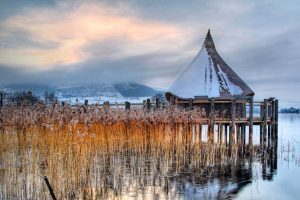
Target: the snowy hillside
pixel 99 93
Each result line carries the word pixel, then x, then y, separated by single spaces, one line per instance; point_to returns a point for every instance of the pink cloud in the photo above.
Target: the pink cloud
pixel 72 29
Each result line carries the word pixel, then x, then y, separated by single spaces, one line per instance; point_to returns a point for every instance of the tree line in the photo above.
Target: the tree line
pixel 26 98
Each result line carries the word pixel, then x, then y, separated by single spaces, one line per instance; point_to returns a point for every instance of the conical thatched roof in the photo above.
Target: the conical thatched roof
pixel 208 75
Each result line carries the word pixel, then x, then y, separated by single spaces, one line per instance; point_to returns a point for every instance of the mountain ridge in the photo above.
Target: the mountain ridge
pixel 124 89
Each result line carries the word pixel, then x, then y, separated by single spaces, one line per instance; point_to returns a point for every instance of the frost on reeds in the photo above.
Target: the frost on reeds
pixel 43 115
pixel 97 153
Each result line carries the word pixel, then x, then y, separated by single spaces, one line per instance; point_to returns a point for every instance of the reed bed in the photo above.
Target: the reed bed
pixel 100 153
pixel 43 115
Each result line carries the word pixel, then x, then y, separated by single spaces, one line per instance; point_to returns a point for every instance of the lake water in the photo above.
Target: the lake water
pixel 285 181
pixel 258 179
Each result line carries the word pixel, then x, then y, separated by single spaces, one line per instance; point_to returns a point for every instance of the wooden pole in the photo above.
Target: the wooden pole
pixel 265 114
pixel 190 103
pixel 106 104
pixel 238 134
pixel 273 121
pixel 269 135
pixel 261 134
pixel 172 100
pixel 148 105
pixel 233 115
pixel 49 188
pixel 226 133
pixel 1 99
pixel 157 103
pixel 276 119
pixel 220 129
pixel 212 118
pixel 265 120
pixel 250 120
pixel 127 105
pixel 243 132
pixel 86 102
pixel 200 134
pixel 176 101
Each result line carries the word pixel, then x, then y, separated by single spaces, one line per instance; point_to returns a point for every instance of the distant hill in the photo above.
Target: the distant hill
pixel 134 90
pixel 37 89
pixel 109 90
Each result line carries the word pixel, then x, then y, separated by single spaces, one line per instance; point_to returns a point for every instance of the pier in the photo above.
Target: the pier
pixel 229 121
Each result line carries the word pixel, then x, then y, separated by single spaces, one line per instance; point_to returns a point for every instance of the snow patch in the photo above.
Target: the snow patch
pixel 199 78
pixel 226 84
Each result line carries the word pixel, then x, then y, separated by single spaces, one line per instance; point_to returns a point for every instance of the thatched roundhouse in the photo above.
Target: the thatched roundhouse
pixel 208 78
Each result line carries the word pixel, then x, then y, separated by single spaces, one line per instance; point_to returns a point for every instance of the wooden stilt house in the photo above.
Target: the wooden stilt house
pixel 210 83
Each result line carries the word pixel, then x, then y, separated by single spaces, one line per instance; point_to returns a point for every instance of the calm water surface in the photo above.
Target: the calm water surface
pixel 262 179
pixel 285 181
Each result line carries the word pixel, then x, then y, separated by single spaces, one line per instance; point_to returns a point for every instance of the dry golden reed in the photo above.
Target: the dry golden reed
pixel 101 153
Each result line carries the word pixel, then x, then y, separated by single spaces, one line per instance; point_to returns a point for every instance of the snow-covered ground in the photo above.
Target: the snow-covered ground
pixel 101 99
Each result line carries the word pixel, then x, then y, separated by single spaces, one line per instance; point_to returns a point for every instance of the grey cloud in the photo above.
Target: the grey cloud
pixel 141 69
pixel 258 40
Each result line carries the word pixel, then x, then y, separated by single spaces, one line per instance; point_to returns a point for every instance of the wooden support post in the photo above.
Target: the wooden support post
pixel 86 102
pixel 157 103
pixel 243 132
pixel 190 103
pixel 269 109
pixel 272 108
pixel 212 108
pixel 250 120
pixel 172 100
pixel 237 134
pixel 260 134
pixel 276 111
pixel 265 111
pixel 1 99
pixel 226 134
pixel 273 121
pixel 127 105
pixel 208 131
pixel 148 105
pixel 265 120
pixel 269 135
pixel 49 188
pixel 230 135
pixel 233 115
pixel 244 115
pixel 220 129
pixel 63 103
pixel 176 101
pixel 144 103
pixel 276 119
pixel 200 133
pixel 212 119
pixel 106 104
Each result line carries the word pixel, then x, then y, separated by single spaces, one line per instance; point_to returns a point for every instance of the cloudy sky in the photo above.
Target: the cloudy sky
pixel 75 42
